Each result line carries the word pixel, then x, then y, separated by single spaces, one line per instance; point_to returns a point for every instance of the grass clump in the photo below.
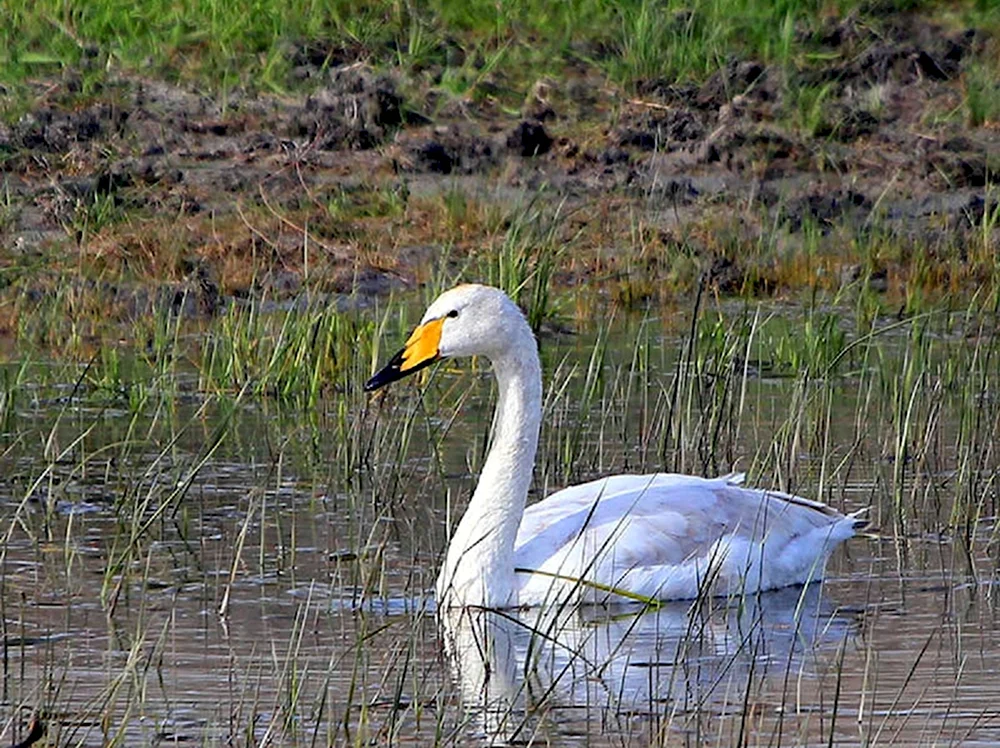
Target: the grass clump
pixel 294 355
pixel 982 97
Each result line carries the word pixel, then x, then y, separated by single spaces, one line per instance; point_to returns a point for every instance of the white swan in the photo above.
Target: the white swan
pixel 658 537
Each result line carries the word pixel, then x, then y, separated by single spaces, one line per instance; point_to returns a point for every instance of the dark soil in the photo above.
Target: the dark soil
pixel 113 177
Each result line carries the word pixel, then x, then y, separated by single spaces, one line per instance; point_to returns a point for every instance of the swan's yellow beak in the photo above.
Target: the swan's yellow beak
pixel 421 350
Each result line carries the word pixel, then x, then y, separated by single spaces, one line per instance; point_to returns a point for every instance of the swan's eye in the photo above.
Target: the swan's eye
pixel 453 313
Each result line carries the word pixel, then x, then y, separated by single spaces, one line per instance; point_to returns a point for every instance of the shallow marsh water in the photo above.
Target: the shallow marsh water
pixel 223 570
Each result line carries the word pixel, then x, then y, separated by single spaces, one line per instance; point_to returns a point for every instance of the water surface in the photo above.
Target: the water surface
pixel 162 585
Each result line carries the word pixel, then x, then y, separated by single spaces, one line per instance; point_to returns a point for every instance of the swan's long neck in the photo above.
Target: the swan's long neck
pixel 479 565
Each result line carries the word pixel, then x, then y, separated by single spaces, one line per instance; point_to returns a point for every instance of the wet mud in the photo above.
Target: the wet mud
pixel 884 142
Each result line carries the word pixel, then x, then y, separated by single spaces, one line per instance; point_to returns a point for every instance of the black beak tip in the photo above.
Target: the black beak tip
pixel 392 372
pixel 375 382
pixel 387 374
pixel 384 376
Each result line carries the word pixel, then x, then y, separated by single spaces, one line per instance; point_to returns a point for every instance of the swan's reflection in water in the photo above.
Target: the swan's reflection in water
pixel 525 674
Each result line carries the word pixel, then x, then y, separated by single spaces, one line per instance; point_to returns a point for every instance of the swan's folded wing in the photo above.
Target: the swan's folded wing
pixel 658 518
pixel 660 534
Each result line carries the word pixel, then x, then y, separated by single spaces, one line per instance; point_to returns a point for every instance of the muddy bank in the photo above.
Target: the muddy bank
pixel 150 189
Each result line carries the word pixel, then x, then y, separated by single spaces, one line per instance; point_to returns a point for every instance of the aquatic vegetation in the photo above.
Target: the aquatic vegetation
pixel 257 548
pixel 294 354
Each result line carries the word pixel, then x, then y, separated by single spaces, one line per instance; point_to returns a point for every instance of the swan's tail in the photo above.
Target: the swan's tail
pixel 735 479
pixel 862 525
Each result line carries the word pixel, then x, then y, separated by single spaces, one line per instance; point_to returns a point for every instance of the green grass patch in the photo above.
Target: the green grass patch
pixel 456 46
pixel 982 95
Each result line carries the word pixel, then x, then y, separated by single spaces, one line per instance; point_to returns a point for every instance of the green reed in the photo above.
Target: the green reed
pixel 296 354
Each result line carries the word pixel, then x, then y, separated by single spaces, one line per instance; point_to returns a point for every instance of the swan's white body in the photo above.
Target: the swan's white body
pixel 659 536
pixel 666 537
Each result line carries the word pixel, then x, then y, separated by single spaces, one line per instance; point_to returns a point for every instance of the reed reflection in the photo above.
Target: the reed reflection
pixel 548 672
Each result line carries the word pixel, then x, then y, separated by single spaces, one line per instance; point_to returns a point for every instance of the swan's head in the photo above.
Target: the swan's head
pixel 468 320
